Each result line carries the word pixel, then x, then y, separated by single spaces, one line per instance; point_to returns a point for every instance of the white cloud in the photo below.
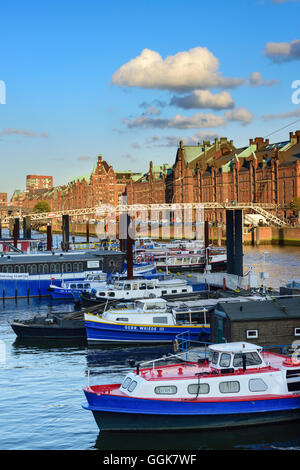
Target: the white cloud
pixel 283 51
pixel 289 114
pixel 196 68
pixel 199 120
pixel 173 140
pixel 256 80
pixel 203 99
pixel 23 132
pixel 239 114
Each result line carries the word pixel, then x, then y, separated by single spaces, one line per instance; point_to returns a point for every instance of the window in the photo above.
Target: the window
pixel 132 386
pixel 80 266
pixel 297 331
pixel 33 269
pixel 166 390
pixel 127 287
pixel 126 382
pixel 229 387
pixel 72 286
pixel 174 291
pixel 225 360
pixel 163 292
pixel 160 320
pixel 111 294
pixel 17 269
pixel 79 286
pixel 257 385
pixel 121 319
pixel 195 389
pixel 215 358
pixel 46 269
pixel 69 267
pixel 252 334
pixel 41 268
pixel 252 359
pixel 75 267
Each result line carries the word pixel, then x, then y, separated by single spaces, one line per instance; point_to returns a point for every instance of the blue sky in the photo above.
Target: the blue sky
pixel 128 80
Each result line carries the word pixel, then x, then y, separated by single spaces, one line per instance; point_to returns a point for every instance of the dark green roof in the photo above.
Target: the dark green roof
pixel 257 310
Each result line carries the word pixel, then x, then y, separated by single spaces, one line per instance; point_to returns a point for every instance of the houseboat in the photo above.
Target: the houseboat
pixel 238 385
pixel 134 289
pixel 145 321
pixel 70 290
pixel 29 275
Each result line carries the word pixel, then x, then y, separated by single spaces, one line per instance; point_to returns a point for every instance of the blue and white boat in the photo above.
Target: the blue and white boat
pixel 145 321
pixel 72 290
pixel 238 385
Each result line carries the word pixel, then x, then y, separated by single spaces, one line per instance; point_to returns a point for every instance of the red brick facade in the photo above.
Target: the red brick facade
pixel 209 172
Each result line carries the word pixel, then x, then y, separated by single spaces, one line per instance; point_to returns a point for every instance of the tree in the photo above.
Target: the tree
pixel 42 206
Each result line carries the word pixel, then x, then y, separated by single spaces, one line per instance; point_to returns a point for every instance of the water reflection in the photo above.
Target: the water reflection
pixel 272 437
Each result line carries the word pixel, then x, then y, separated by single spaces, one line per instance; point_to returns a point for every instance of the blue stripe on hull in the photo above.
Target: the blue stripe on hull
pixel 125 413
pixel 97 332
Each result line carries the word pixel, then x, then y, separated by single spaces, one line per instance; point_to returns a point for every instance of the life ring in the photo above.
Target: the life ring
pixel 139 259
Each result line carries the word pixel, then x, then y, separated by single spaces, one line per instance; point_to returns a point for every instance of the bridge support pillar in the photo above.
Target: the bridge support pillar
pixel 234 241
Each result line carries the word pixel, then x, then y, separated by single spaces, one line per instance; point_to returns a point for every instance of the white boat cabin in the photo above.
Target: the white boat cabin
pixel 144 288
pixel 234 370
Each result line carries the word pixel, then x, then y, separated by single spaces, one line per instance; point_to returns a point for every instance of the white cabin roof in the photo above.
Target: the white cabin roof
pixel 235 347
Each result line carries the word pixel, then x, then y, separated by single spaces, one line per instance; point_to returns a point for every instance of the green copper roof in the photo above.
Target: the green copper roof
pixel 191 152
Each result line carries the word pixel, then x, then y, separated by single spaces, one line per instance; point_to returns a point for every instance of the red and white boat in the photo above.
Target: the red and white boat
pixel 239 385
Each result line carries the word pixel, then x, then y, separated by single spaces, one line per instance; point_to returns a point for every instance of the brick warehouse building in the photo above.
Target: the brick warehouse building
pixel 208 172
pixel 220 172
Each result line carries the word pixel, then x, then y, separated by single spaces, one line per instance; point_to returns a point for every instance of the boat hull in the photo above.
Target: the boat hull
pixel 111 333
pixel 49 332
pixel 115 413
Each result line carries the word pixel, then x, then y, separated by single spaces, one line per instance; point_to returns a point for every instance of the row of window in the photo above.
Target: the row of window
pixel 232 386
pixel 43 268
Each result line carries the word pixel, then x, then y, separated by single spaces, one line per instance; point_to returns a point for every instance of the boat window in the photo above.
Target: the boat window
pixel 174 291
pixel 33 269
pixel 257 385
pixel 225 360
pixel 80 266
pixel 134 286
pixel 229 387
pixel 142 286
pixel 132 386
pixel 252 359
pixel 69 267
pixel 72 286
pixel 17 269
pixel 4 269
pixel 195 389
pixel 9 269
pixel 150 285
pixel 46 269
pixel 183 290
pixel 126 382
pixel 22 269
pixel 163 292
pixel 111 294
pixel 160 320
pixel 166 390
pixel 121 319
pixel 63 268
pixel 79 286
pixel 297 331
pixel 87 286
pixel 127 286
pixel 41 268
pixel 215 357
pixel 75 267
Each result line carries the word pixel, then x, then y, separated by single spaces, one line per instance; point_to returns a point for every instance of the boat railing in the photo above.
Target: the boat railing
pixel 183 344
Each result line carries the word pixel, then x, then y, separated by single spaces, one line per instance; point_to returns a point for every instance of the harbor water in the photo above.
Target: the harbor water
pixel 41 384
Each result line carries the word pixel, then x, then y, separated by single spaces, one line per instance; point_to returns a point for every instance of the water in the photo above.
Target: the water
pixel 41 385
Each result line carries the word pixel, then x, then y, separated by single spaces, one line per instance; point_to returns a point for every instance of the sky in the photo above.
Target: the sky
pixel 129 80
